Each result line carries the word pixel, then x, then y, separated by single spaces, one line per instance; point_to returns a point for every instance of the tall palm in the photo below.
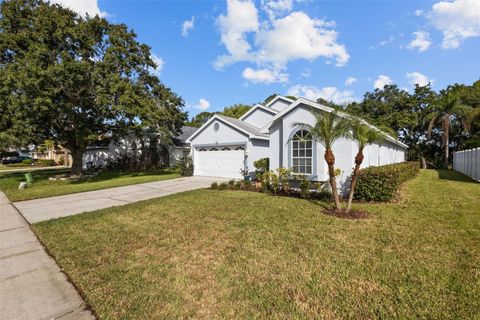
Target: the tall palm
pixel 447 109
pixel 362 135
pixel 329 127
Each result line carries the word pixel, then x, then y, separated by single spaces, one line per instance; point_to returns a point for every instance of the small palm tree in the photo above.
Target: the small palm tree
pixel 363 135
pixel 328 128
pixel 447 109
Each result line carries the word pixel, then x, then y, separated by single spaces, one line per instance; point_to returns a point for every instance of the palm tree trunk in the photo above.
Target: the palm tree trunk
pixel 330 159
pixel 447 133
pixel 358 163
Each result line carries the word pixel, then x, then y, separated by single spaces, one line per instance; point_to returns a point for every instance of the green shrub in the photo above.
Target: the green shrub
pixel 214 186
pixel 231 184
pixel 186 167
pixel 304 187
pixel 383 183
pixel 262 165
pixel 223 186
pixel 27 161
pixel 46 162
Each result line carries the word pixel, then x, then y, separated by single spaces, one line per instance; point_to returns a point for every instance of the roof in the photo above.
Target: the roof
pixel 319 106
pixel 180 139
pixel 251 131
pixel 279 97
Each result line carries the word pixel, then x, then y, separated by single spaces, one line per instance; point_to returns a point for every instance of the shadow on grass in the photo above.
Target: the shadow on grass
pixel 454 176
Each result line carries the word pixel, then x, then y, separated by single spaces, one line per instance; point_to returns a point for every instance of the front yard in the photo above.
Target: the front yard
pixel 233 254
pixel 43 188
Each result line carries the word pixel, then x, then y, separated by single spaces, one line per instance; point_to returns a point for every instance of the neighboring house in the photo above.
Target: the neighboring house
pixel 58 153
pixel 98 154
pixel 224 146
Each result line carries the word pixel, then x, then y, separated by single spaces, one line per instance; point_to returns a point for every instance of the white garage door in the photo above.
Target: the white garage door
pixel 225 161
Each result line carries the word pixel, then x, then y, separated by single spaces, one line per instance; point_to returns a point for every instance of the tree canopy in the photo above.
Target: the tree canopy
pixel 234 111
pixel 72 79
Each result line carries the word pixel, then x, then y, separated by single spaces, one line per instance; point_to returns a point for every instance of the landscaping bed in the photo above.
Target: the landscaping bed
pixel 232 254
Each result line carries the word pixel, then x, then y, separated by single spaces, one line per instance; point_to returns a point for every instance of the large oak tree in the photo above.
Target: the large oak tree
pixel 74 79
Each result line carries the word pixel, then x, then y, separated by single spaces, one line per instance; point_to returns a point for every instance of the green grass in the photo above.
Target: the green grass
pixel 232 254
pixel 43 188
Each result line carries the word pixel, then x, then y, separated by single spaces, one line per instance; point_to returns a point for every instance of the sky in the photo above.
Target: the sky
pixel 218 53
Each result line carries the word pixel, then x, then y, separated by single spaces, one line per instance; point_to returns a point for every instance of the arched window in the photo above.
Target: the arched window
pixel 302 147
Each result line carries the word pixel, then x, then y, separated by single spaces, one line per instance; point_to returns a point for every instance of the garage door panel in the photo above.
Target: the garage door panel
pixel 219 163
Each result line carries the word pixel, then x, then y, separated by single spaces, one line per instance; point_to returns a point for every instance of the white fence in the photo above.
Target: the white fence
pixel 468 162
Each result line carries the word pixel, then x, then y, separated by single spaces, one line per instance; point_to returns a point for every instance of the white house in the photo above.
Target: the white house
pixel 225 146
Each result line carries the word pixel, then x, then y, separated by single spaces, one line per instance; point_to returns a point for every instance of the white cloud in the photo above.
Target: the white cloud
pixel 274 8
pixel 458 20
pixel 202 104
pixel 82 7
pixel 265 43
pixel 328 93
pixel 264 75
pixel 159 62
pixel 421 41
pixel 350 81
pixel 418 78
pixel 418 12
pixel 306 73
pixel 187 26
pixel 382 81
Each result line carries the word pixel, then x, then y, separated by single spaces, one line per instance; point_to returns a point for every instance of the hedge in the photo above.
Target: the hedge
pixel 383 183
pixel 46 162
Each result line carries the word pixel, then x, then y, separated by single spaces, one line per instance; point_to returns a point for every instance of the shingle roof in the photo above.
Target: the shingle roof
pixel 243 125
pixel 187 131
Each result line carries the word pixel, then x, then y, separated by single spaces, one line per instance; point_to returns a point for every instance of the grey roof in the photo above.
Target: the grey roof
pixel 187 131
pixel 244 126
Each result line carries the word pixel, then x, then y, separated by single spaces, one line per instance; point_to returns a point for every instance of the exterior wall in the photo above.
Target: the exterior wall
pixel 256 149
pixel 468 163
pixel 258 118
pixel 279 105
pixel 226 134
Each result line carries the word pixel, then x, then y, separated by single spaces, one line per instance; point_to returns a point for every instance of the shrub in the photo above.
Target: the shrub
pixel 383 183
pixel 262 166
pixel 46 162
pixel 304 187
pixel 186 167
pixel 223 186
pixel 231 184
pixel 27 161
pixel 214 186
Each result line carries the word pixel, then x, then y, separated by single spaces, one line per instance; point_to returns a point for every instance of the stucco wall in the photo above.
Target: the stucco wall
pixel 279 105
pixel 226 134
pixel 257 149
pixel 258 118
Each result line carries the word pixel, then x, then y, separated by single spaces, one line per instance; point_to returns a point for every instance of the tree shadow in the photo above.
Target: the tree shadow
pixel 452 175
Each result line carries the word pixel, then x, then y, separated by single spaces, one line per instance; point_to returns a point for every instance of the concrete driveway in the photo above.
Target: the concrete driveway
pixel 67 205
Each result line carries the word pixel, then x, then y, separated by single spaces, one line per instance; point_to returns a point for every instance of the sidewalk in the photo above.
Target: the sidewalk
pixel 61 206
pixel 31 283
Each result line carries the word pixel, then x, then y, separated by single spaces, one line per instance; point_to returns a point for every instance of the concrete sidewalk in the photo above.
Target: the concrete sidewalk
pixel 31 283
pixel 71 204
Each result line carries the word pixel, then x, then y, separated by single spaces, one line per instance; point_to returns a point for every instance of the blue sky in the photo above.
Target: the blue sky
pixel 218 53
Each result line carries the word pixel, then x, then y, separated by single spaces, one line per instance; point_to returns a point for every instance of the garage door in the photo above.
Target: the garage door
pixel 225 161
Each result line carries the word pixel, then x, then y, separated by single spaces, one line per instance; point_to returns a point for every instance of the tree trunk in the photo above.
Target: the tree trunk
pixel 330 159
pixel 424 162
pixel 77 156
pixel 358 162
pixel 446 151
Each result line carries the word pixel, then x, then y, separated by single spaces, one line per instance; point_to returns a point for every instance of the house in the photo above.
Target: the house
pixel 98 154
pixel 224 146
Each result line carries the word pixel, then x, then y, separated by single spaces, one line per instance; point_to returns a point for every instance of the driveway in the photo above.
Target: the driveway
pixel 31 283
pixel 67 205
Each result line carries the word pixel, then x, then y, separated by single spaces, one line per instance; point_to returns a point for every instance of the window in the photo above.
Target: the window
pixel 302 152
pixel 216 126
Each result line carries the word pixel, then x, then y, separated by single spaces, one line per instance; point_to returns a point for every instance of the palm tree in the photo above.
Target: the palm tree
pixel 328 128
pixel 363 135
pixel 447 109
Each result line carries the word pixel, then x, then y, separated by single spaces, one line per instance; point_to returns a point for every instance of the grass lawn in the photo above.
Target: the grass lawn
pixel 42 187
pixel 232 254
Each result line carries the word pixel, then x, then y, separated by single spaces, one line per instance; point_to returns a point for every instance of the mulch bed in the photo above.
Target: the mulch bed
pixel 352 214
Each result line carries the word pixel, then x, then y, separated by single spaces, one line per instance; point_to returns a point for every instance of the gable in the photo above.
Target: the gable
pixel 279 105
pixel 225 134
pixel 258 117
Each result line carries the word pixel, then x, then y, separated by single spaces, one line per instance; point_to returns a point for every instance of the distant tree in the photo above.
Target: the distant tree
pixel 269 98
pixel 330 104
pixel 236 111
pixel 72 79
pixel 200 119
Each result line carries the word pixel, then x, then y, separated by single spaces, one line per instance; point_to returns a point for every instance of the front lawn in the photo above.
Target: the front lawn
pixel 232 254
pixel 42 187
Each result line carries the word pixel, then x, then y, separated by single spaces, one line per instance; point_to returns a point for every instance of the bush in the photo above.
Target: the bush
pixel 27 161
pixel 262 165
pixel 186 167
pixel 214 186
pixel 46 162
pixel 383 183
pixel 223 186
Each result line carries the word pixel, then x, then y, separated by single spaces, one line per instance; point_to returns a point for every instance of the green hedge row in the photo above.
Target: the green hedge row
pixel 383 183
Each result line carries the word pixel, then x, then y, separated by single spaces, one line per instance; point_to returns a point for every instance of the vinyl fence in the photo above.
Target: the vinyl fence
pixel 468 162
